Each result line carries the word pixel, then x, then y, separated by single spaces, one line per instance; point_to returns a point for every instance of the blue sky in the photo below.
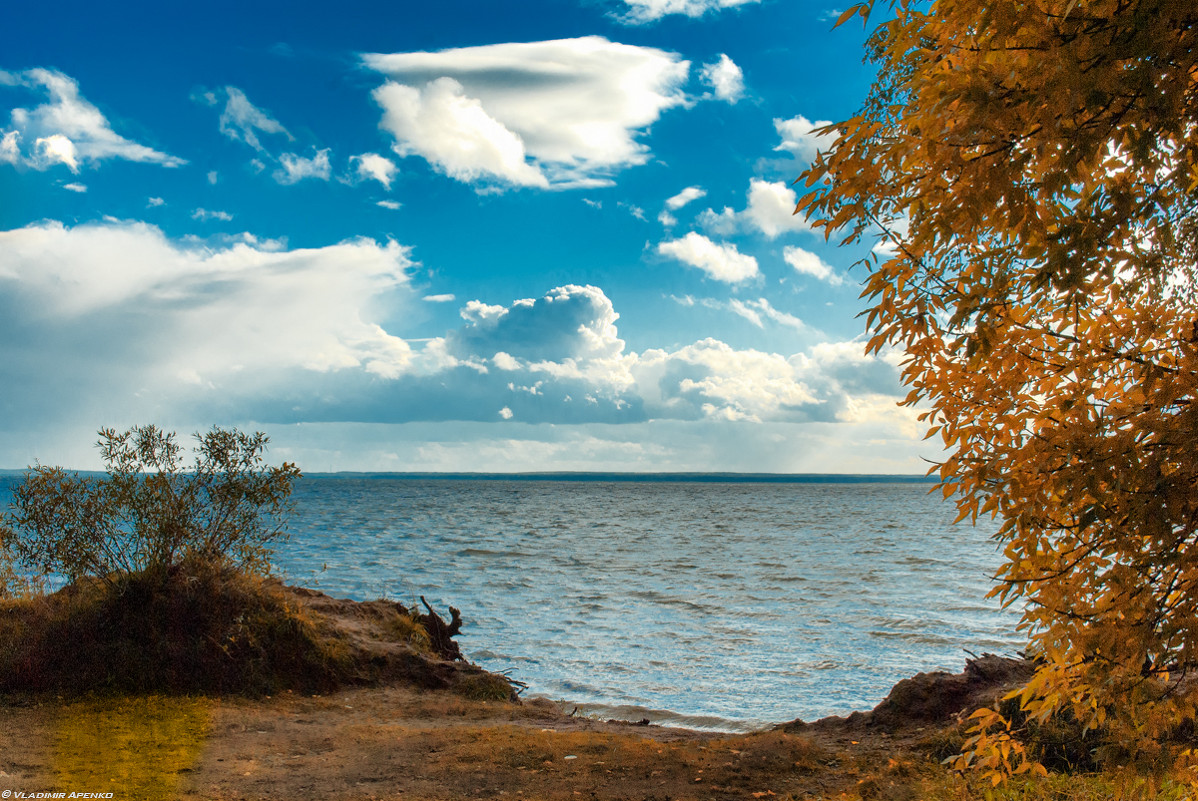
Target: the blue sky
pixel 554 235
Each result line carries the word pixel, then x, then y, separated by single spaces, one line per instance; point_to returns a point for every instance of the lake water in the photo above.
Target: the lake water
pixel 728 605
pixel 720 604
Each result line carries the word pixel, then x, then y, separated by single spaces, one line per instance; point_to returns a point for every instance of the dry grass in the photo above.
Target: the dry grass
pixel 392 742
pixel 202 629
pixel 137 748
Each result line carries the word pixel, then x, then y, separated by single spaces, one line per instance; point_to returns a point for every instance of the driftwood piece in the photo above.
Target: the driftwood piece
pixel 440 633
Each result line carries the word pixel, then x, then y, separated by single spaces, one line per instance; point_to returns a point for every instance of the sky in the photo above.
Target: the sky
pixel 460 236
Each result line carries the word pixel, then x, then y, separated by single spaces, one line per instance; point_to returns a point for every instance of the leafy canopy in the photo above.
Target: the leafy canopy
pixel 1032 170
pixel 150 513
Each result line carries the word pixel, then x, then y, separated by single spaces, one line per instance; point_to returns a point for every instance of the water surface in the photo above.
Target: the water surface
pixel 726 604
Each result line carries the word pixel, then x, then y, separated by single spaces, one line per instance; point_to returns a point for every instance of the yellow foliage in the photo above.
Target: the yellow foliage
pixel 1032 169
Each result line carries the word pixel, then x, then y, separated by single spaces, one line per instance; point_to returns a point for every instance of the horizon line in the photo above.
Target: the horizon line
pixel 678 475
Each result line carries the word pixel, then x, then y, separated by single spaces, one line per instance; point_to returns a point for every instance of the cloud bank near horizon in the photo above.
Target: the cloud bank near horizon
pixel 114 323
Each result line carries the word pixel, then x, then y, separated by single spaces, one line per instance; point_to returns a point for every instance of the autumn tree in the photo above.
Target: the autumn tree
pixel 1031 170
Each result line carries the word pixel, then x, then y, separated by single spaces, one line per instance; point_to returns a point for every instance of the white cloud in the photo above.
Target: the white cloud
pixel 714 380
pixel 393 205
pixel 241 120
pixel 556 113
pixel 445 298
pixel 640 11
pixel 570 322
pixel 505 361
pixel 666 219
pixel 780 317
pixel 725 78
pixel 740 308
pixel 155 201
pixel 213 177
pixel 373 167
pixel 115 323
pixel 454 133
pixel 807 263
pixel 633 209
pixel 66 129
pixel 757 312
pixel 723 262
pixel 871 446
pixel 203 215
pixel 890 237
pixel 294 168
pixel 685 196
pixel 141 325
pixel 56 149
pixel 10 148
pixel 799 137
pixel 75 187
pixel 770 211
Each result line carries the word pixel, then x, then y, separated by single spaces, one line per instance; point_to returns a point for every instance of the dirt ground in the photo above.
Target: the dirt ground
pixel 427 734
pixel 391 743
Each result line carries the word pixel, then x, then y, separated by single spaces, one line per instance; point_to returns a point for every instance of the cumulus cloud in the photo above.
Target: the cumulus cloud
pixel 685 196
pixel 555 113
pixel 115 323
pixel 66 129
pixel 454 133
pixel 800 137
pixel 569 323
pixel 722 261
pixel 641 11
pixel 713 380
pixel 373 167
pixel 807 263
pixel 119 321
pixel 154 202
pixel 75 187
pixel 725 78
pixel 560 358
pixel 393 205
pixel 242 121
pixel 769 211
pixel 293 168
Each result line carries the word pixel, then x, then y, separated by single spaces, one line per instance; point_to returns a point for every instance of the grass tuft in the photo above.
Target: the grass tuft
pixel 200 629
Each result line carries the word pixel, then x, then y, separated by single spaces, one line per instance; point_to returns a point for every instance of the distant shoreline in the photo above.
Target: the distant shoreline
pixel 581 476
pixel 699 478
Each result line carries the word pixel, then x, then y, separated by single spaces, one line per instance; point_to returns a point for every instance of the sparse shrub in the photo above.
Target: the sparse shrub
pixel 167 586
pixel 150 513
